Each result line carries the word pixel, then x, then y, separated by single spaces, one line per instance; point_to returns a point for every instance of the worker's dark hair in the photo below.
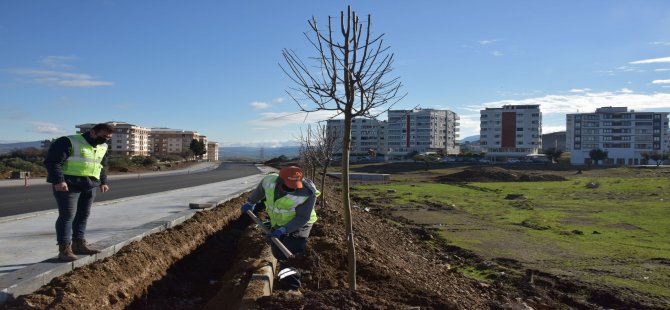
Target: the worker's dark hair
pixel 103 127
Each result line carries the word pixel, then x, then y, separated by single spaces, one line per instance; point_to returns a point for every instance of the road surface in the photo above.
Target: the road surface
pixel 20 200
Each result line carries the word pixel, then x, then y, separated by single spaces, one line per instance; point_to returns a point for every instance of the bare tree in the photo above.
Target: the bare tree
pixel 351 77
pixel 316 151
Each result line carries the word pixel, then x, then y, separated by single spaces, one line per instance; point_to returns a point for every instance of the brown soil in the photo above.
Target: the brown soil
pixel 398 267
pixel 496 174
pixel 168 270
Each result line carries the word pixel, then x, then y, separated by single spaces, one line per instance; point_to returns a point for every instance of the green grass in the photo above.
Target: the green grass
pixel 559 225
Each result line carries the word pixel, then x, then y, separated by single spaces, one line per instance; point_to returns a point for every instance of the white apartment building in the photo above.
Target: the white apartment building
pixel 422 130
pixel 364 135
pixel 127 139
pixel 167 141
pixel 624 134
pixel 212 151
pixel 512 131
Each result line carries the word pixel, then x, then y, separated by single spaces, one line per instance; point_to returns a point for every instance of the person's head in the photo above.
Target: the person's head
pixel 101 133
pixel 291 177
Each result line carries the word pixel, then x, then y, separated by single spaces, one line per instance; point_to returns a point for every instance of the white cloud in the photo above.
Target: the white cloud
pixel 61 79
pixel 626 91
pixel 662 69
pixel 258 105
pixel 279 100
pixel 661 82
pixel 44 127
pixel 629 69
pixel 469 125
pixel 651 61
pixel 665 43
pixel 579 90
pixel 549 129
pixel 497 53
pixel 284 119
pixel 487 42
pixel 58 61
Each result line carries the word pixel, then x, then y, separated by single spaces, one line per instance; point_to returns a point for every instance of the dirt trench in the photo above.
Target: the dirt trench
pixel 180 268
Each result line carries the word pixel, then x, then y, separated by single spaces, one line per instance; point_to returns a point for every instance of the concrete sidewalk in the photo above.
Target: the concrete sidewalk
pixel 28 242
pixel 199 167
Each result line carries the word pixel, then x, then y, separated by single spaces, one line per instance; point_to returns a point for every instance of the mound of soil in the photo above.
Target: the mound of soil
pixel 172 269
pixel 496 174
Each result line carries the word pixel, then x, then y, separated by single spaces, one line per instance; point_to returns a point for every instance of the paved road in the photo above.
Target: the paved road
pixel 20 200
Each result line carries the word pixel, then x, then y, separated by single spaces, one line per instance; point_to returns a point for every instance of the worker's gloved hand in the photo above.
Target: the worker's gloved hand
pixel 279 231
pixel 247 206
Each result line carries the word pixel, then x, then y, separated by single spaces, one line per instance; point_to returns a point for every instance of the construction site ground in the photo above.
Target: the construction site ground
pixel 400 265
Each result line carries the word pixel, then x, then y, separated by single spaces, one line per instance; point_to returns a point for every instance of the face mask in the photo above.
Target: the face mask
pixel 100 140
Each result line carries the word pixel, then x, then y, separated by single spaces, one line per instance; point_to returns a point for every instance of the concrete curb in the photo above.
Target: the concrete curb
pixel 262 280
pixel 29 279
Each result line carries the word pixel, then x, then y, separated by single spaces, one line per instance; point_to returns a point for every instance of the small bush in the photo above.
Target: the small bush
pixel 532 224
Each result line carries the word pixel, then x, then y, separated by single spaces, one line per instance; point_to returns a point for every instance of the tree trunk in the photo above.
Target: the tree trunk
pixel 323 184
pixel 346 145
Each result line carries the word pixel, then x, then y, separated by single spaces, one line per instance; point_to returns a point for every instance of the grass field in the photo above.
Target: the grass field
pixel 616 234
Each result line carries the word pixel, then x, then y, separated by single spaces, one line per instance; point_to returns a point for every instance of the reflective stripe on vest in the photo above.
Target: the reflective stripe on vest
pixel 84 160
pixel 282 210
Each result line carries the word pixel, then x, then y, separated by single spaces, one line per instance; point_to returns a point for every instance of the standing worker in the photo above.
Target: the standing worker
pixel 289 201
pixel 76 168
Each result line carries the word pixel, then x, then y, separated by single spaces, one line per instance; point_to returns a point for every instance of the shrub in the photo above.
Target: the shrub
pixel 149 161
pixel 119 162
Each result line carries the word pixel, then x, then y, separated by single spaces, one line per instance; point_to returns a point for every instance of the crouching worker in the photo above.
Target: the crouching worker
pixel 289 200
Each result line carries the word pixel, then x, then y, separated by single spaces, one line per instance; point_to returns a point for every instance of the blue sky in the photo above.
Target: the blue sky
pixel 213 66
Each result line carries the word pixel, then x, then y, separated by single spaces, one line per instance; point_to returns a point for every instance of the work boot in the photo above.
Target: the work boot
pixel 80 247
pixel 65 252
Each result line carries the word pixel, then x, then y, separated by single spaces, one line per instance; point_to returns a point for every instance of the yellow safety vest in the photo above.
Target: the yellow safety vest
pixel 85 160
pixel 282 210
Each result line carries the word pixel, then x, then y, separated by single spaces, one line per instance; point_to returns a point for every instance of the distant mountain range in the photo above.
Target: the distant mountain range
pixel 244 152
pixel 470 138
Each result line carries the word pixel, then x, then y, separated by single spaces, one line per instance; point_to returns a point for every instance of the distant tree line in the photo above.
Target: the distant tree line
pixel 27 159
pixel 31 159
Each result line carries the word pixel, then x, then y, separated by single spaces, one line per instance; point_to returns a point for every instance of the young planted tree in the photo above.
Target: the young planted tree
pixel 659 158
pixel 553 154
pixel 597 155
pixel 351 78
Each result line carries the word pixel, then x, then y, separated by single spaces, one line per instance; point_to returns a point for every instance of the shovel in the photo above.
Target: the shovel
pixel 274 239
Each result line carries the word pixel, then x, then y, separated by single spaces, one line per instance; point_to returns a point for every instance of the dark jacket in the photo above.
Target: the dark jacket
pixel 58 153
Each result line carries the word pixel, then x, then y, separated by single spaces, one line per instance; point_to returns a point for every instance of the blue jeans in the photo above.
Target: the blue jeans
pixel 74 207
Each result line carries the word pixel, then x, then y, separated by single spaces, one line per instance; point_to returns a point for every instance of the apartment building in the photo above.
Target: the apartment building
pixel 212 151
pixel 422 130
pixel 127 139
pixel 167 141
pixel 364 135
pixel 624 134
pixel 554 139
pixel 512 131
